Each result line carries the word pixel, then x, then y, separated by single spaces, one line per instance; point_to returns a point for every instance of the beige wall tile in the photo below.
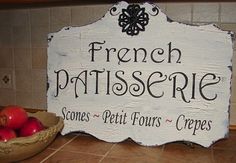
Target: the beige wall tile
pixel 39 36
pixel 234 66
pixel 39 58
pixel 61 15
pixel 39 17
pixel 22 58
pixel 6 78
pixel 40 100
pixel 83 15
pixel 230 27
pixel 205 12
pixel 179 11
pixel 6 58
pixel 233 114
pixel 233 95
pixel 234 46
pixel 7 97
pixel 21 37
pixel 162 6
pixel 23 79
pixel 57 27
pixel 39 80
pixel 24 99
pixel 228 12
pixel 4 17
pixel 20 17
pixel 234 63
pixel 28 28
pixel 5 37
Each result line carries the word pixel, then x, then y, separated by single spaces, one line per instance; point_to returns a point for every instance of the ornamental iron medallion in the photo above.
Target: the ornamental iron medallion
pixel 133 19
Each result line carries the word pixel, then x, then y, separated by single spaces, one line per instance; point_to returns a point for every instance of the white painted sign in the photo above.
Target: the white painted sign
pixel 137 74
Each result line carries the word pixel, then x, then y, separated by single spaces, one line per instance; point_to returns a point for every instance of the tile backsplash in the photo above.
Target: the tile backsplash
pixel 23 43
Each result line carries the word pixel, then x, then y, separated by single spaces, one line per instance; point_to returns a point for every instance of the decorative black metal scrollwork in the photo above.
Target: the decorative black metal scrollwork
pixel 155 11
pixel 50 38
pixel 113 11
pixel 133 19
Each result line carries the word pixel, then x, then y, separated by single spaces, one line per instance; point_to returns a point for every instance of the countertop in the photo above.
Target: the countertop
pixel 80 148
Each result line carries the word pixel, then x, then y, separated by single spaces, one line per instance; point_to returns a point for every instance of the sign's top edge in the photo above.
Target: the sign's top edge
pixel 134 18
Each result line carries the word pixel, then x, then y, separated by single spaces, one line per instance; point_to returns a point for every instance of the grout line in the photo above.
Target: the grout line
pixel 30 38
pixel 107 153
pixel 163 148
pixel 85 153
pixel 31 55
pixel 13 78
pixel 192 9
pixel 70 15
pixel 219 15
pixel 212 154
pixel 58 149
pixel 49 19
pixel 162 151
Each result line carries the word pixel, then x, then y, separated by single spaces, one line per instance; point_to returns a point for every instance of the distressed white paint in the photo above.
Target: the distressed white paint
pixel 204 49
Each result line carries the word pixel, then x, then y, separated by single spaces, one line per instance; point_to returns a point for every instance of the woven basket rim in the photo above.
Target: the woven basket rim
pixel 37 136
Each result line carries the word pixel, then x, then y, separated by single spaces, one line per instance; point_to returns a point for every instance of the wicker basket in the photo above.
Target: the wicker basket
pixel 24 147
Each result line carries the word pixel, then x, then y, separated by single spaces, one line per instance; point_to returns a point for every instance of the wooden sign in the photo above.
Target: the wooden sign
pixel 137 74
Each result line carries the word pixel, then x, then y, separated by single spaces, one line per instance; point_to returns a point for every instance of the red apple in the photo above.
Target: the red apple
pixel 6 134
pixel 13 117
pixel 31 126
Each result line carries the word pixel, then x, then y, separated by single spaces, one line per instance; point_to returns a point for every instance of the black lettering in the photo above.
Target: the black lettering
pixel 177 122
pixel 121 58
pixel 202 86
pixel 193 86
pixel 209 125
pixel 178 88
pixel 83 81
pixel 203 125
pixel 59 78
pixel 106 114
pixel 136 54
pixel 108 82
pixel 93 49
pixel 134 117
pixel 63 112
pixel 149 83
pixel 87 117
pixel 160 51
pixel 118 88
pixel 158 122
pixel 135 88
pixel 197 126
pixel 96 78
pixel 108 53
pixel 171 51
